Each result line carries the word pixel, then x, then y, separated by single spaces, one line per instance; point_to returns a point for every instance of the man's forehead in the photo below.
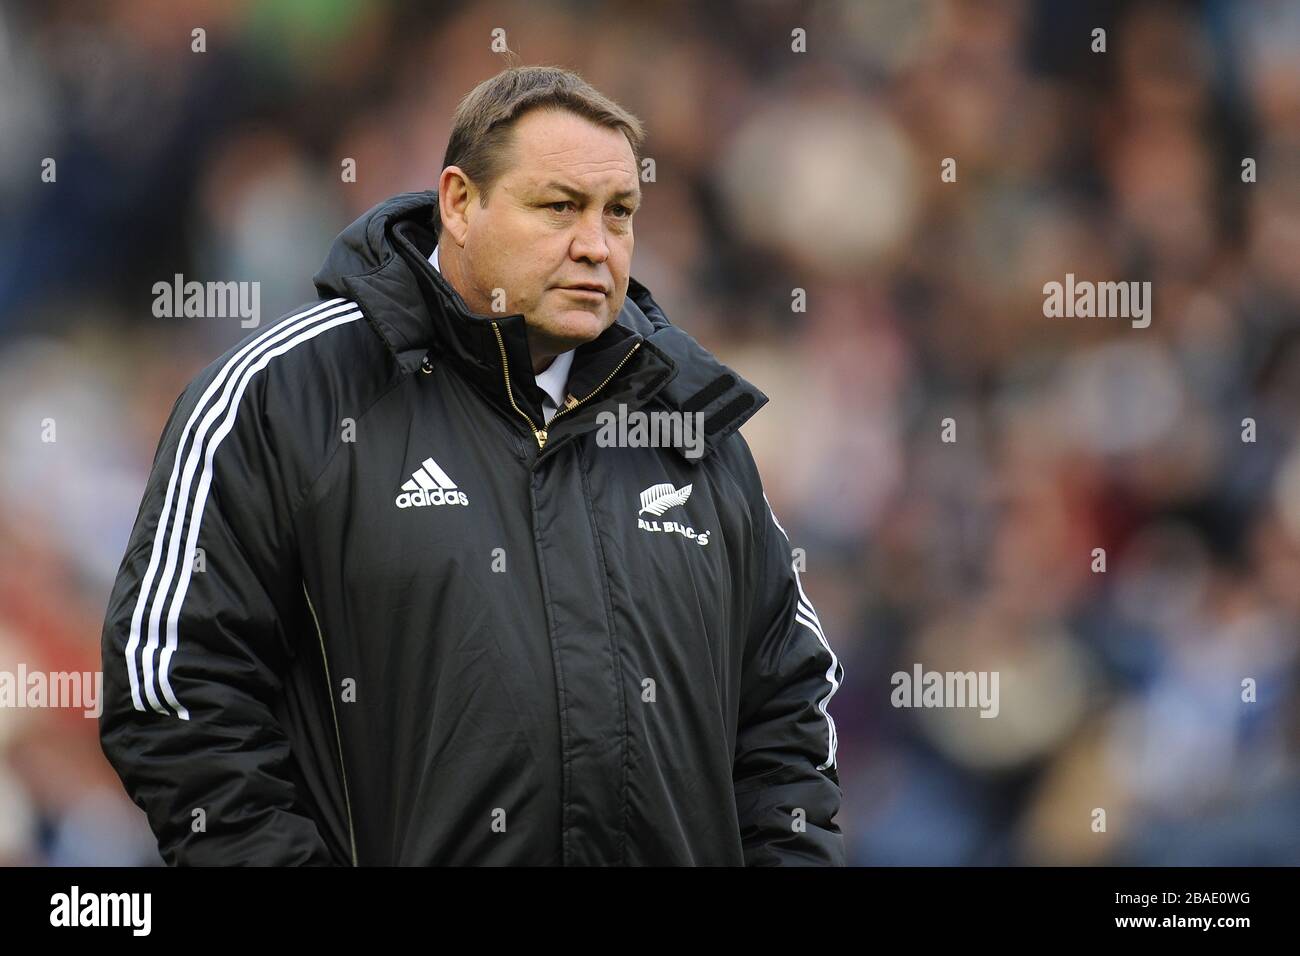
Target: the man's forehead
pixel 582 180
pixel 585 177
pixel 566 153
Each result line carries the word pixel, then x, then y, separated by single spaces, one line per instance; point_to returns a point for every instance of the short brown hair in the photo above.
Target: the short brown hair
pixel 481 129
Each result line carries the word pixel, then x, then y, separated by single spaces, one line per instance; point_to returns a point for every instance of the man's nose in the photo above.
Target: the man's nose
pixel 589 241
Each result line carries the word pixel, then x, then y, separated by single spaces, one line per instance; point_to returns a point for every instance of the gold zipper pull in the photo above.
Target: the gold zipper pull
pixel 572 402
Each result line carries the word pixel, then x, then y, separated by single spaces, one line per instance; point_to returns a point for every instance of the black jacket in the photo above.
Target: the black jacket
pixel 370 613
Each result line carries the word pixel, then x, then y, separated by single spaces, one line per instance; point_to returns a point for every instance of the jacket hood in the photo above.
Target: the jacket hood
pixel 380 262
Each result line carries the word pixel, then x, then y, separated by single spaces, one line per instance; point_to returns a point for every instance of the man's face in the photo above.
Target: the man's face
pixel 559 218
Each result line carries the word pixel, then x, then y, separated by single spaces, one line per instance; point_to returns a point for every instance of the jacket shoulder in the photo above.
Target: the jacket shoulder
pixel 734 458
pixel 323 354
pixel 292 385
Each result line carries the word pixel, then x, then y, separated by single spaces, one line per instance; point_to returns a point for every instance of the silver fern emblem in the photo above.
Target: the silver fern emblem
pixel 659 498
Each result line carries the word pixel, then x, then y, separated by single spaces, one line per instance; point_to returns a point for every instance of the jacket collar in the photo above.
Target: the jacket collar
pixel 381 262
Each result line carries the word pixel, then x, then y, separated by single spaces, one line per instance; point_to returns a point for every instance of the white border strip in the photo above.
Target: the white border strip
pixel 806 616
pixel 285 327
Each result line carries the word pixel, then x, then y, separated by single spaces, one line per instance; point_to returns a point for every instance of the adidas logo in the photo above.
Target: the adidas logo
pixel 430 485
pixel 659 498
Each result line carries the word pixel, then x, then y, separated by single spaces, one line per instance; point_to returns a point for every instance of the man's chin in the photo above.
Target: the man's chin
pixel 575 327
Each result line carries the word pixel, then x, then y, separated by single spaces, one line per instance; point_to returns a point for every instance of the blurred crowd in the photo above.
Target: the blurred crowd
pixel 1172 448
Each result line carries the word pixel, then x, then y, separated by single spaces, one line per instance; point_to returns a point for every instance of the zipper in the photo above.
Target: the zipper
pixel 505 369
pixel 338 736
pixel 569 404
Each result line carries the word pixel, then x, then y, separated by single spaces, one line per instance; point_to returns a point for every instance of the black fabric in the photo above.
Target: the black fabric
pixel 523 667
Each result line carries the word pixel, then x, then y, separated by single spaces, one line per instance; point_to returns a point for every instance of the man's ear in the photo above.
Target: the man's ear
pixel 456 193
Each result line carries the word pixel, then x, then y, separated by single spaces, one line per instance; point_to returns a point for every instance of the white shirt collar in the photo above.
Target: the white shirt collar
pixel 555 379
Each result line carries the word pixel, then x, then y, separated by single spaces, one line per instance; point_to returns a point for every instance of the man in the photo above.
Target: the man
pixel 388 599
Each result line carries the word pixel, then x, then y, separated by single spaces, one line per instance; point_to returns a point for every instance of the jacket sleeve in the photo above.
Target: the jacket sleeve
pixel 195 636
pixel 785 773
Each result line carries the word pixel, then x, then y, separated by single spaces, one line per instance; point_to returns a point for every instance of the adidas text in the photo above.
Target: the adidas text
pixel 423 498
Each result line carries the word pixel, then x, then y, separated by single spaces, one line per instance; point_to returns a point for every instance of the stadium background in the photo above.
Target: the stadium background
pixel 775 170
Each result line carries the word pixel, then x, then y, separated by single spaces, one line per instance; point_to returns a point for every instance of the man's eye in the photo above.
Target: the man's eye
pixel 623 211
pixel 563 204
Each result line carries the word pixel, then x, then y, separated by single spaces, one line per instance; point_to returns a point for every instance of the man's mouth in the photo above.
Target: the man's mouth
pixel 590 288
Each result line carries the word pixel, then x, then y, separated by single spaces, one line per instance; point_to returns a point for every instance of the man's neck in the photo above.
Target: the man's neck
pixel 448 261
